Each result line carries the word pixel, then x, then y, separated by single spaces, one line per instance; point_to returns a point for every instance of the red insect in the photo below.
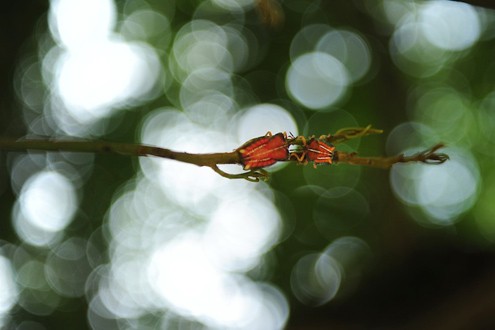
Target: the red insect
pixel 316 151
pixel 264 151
pixel 319 152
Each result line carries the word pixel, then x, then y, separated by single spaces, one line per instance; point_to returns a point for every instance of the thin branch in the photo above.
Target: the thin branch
pixel 342 135
pixel 138 150
pixel 266 146
pixel 126 149
pixel 349 133
pixel 428 156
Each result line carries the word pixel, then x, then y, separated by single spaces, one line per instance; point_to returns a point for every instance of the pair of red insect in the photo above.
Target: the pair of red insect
pixel 267 150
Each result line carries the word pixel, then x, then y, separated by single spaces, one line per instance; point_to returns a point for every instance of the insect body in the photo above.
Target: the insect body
pixel 264 151
pixel 316 151
pixel 319 152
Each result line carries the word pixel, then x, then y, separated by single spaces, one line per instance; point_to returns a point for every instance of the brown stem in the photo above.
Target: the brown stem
pixel 127 149
pixel 428 156
pixel 212 160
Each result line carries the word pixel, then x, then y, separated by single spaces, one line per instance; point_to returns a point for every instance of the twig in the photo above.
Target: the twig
pixel 428 156
pixel 345 134
pixel 264 149
pixel 126 149
pixel 342 135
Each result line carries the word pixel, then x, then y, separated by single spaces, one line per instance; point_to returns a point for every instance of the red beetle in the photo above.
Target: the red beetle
pixel 264 151
pixel 316 151
pixel 319 152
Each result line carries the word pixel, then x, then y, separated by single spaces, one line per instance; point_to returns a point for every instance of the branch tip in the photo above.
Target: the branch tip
pixel 430 156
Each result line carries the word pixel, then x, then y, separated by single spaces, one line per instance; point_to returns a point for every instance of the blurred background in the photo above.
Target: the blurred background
pixel 110 242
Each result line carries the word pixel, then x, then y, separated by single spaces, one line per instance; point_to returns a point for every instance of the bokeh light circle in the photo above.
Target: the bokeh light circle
pixel 124 72
pixel 8 288
pixel 317 80
pixel 69 21
pixel 259 119
pixel 441 24
pixel 316 279
pixel 236 242
pixel 67 268
pixel 48 200
pixel 306 39
pixel 350 49
pixel 408 135
pixel 444 192
pixel 182 274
